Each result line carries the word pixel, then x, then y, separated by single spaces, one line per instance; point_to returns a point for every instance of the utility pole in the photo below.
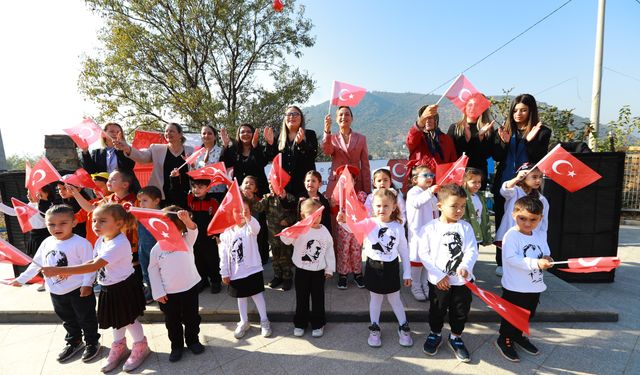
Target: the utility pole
pixel 597 77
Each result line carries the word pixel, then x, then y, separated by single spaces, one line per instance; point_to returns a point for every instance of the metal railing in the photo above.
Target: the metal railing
pixel 631 182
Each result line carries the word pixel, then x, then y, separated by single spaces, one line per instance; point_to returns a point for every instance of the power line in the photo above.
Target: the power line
pixel 561 83
pixel 504 45
pixel 623 74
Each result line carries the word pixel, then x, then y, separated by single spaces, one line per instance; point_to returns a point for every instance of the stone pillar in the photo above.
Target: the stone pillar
pixel 61 152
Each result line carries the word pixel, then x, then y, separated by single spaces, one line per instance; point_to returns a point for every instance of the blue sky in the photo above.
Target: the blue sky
pixel 396 46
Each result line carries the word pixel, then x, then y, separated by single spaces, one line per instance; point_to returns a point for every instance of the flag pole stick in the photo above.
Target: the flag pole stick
pixel 333 90
pixel 447 90
pixel 546 156
pixel 562 262
pixel 155 211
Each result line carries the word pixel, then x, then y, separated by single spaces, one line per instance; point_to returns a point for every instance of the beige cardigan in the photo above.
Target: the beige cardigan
pixel 155 154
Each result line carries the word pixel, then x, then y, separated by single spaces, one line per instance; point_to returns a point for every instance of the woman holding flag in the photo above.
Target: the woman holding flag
pixel 521 139
pixel 165 158
pixel 426 143
pixel 212 154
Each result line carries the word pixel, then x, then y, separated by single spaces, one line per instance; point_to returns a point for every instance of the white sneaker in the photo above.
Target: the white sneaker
pixel 298 332
pixel 317 332
pixel 499 271
pixel 265 328
pixel 417 293
pixel 404 335
pixel 241 330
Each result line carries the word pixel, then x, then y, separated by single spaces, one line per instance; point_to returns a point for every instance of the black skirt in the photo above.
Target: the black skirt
pixel 382 277
pixel 247 286
pixel 120 304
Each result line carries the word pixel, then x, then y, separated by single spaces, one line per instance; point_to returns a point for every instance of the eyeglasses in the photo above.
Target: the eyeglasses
pixel 427 175
pixel 292 114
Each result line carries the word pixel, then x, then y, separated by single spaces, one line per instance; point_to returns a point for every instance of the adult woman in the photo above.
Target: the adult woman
pixel 247 157
pixel 108 158
pixel 213 154
pixel 522 139
pixel 165 158
pixel 474 136
pixel 426 143
pixel 346 148
pixel 299 148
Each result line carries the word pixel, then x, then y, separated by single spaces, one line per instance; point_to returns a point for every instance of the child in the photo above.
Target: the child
pixel 203 206
pixel 67 198
pixel 249 190
pixel 526 182
pixel 422 207
pixel 280 212
pixel 525 255
pixel 72 297
pixel 315 261
pixel 148 197
pixel 476 212
pixel 175 281
pixel 448 251
pixel 348 250
pixel 121 300
pixel 382 180
pixel 241 269
pixel 312 182
pixel 383 246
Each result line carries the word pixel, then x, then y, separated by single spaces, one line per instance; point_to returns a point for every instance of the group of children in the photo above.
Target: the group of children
pixel 434 255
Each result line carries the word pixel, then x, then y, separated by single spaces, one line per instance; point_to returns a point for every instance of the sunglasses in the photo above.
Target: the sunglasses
pixel 292 114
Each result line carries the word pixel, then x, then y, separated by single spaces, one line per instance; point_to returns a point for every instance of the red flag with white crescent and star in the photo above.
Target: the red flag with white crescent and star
pixel 9 253
pixel 452 173
pixel 196 154
pixel 24 212
pixel 85 133
pixel 355 213
pixel 278 177
pixel 302 226
pixel 461 91
pixel 566 170
pixel 161 228
pixel 593 264
pixel 215 172
pixel 144 139
pixel 42 173
pixel 515 315
pixel 224 217
pixel 80 178
pixel 346 94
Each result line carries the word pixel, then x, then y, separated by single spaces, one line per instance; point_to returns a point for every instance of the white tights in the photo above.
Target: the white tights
pixel 135 330
pixel 375 305
pixel 258 299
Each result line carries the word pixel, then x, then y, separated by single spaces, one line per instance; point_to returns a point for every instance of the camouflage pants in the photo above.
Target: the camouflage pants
pixel 281 259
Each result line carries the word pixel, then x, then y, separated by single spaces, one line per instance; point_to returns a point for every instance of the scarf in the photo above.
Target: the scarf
pixel 433 143
pixel 516 156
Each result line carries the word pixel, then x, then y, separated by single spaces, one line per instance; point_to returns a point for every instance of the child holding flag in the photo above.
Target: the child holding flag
pixel 525 254
pixel 315 261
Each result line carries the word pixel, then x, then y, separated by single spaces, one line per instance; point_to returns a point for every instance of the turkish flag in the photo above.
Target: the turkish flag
pixel 24 212
pixel 215 172
pixel 85 133
pixel 277 5
pixel 566 170
pixel 515 315
pixel 452 173
pixel 593 264
pixel 346 94
pixel 224 217
pixel 461 91
pixel 80 178
pixel 41 174
pixel 398 168
pixel 10 254
pixel 7 210
pixel 196 154
pixel 354 211
pixel 278 177
pixel 161 228
pixel 35 280
pixel 302 226
pixel 144 139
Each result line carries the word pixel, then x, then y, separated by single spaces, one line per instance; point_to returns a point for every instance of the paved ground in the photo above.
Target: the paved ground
pixel 567 347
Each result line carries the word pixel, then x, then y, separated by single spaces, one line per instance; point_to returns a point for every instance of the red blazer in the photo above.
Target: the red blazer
pixel 418 149
pixel 355 153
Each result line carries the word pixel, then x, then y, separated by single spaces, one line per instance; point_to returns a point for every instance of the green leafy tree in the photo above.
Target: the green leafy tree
pixel 17 162
pixel 196 62
pixel 625 131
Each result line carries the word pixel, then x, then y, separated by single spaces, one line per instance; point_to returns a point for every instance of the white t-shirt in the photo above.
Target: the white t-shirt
pixel 511 196
pixel 520 254
pixel 239 255
pixel 173 272
pixel 386 242
pixel 70 252
pixel 422 207
pixel 313 251
pixel 443 248
pixel 117 254
pixel 477 206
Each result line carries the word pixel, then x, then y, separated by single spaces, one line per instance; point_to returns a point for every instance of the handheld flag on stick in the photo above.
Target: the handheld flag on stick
pixel 515 315
pixel 452 173
pixel 566 170
pixel 589 265
pixel 302 226
pixel 278 177
pixel 161 228
pixel 42 173
pixel 85 133
pixel 24 212
pixel 10 254
pixel 216 172
pixel 461 91
pixel 345 94
pixel 224 217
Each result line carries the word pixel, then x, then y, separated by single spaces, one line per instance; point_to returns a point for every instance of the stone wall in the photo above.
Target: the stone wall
pixel 61 152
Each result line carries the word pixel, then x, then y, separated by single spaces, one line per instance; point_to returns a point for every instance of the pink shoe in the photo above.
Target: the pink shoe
pixel 118 352
pixel 139 353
